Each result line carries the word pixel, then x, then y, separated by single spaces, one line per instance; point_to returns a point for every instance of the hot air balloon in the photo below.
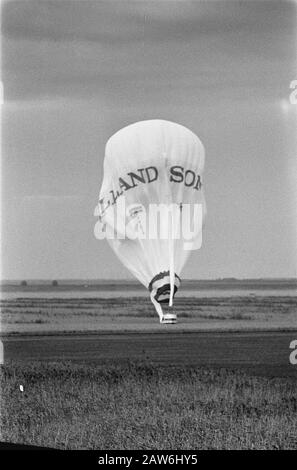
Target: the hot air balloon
pixel 151 204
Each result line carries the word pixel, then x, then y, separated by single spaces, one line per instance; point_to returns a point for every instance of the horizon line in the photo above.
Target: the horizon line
pixel 231 278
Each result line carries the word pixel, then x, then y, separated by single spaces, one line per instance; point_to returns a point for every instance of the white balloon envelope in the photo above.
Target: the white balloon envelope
pixel 151 205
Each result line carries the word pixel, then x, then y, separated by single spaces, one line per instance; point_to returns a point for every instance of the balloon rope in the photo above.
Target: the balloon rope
pixel 171 261
pixel 170 234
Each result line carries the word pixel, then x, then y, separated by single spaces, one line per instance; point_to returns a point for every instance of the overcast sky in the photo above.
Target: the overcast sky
pixel 75 72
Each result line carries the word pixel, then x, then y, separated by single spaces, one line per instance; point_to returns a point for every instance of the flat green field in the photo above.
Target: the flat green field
pixel 142 406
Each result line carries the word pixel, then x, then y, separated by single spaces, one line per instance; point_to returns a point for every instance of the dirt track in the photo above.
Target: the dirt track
pixel 265 353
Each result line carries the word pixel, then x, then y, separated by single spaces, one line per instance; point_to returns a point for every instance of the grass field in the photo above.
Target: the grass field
pixel 119 390
pixel 92 314
pixel 141 406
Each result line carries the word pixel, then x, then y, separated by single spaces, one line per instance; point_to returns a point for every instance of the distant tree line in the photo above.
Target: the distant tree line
pixel 54 283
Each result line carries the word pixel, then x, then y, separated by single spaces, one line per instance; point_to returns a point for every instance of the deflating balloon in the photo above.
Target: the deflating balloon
pixel 151 205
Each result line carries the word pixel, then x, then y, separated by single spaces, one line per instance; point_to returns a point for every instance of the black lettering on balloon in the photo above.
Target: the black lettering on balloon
pixel 198 184
pixel 123 184
pixel 136 177
pixel 187 183
pixel 115 195
pixel 151 178
pixel 175 175
pixel 102 207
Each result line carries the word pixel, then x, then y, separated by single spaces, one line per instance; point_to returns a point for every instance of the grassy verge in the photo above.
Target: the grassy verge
pixel 138 406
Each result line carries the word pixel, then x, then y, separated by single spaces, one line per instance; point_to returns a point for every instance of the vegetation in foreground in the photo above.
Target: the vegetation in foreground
pixel 140 406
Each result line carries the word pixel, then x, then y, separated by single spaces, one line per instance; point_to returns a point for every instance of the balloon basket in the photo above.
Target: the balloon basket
pixel 168 319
